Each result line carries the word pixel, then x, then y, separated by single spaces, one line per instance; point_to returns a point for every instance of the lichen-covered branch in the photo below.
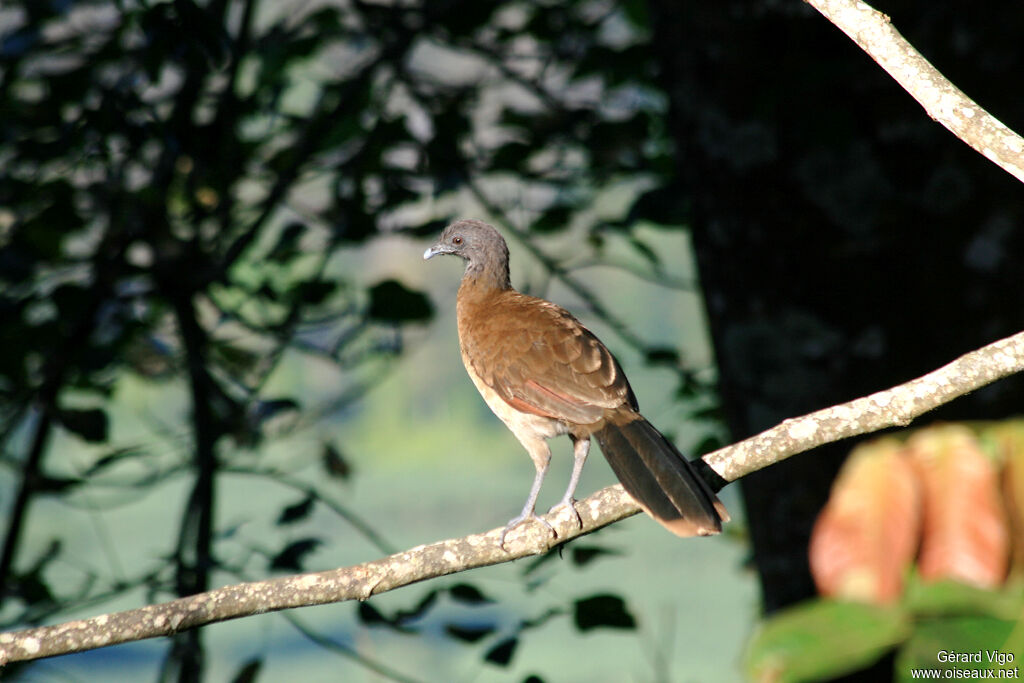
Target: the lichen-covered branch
pixel 942 100
pixel 358 582
pixel 893 407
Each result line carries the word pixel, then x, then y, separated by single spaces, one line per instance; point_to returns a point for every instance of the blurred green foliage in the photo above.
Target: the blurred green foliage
pixel 182 187
pixel 826 639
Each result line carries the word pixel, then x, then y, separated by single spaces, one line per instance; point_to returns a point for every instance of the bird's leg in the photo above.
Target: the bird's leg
pixel 541 456
pixel 580 448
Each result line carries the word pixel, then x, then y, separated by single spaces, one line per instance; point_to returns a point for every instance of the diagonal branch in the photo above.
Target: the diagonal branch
pixel 942 100
pixel 358 582
pixel 894 407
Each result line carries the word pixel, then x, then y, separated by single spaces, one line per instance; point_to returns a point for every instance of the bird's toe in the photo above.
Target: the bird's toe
pixel 516 521
pixel 570 506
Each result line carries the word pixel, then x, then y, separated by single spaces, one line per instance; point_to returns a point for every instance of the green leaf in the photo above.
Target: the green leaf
pixel 90 424
pixel 598 611
pixel 823 639
pixel 980 640
pixel 950 598
pixel 391 301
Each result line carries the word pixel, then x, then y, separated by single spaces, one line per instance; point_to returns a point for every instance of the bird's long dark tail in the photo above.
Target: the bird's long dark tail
pixel 657 475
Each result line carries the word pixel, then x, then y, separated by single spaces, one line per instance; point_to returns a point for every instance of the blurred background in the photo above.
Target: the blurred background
pixel 224 359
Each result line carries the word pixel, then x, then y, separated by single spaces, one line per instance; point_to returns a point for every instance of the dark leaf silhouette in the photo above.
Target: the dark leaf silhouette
pixel 468 594
pixel 661 355
pixel 297 512
pixel 90 423
pixel 471 633
pixel 602 611
pixel 371 616
pixel 293 555
pixel 249 672
pixel 426 603
pixel 391 301
pixel 582 555
pixel 334 462
pixel 402 620
pixel 501 654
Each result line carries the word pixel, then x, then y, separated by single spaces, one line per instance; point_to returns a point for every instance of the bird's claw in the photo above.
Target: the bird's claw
pixel 569 503
pixel 516 521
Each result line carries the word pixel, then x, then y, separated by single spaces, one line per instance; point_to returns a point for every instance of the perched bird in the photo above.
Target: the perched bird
pixel 545 374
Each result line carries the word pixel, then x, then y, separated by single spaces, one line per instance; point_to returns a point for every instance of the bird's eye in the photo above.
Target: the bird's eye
pixel 457 241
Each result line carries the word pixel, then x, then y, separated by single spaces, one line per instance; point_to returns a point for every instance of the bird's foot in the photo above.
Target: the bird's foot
pixel 525 517
pixel 569 503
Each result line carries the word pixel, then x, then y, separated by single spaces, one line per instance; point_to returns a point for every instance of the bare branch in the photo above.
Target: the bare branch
pixel 894 407
pixel 942 100
pixel 358 582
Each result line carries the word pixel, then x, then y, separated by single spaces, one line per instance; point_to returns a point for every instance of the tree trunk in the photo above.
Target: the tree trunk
pixel 845 242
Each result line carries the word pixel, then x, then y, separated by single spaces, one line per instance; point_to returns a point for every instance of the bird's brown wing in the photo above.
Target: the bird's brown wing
pixel 541 360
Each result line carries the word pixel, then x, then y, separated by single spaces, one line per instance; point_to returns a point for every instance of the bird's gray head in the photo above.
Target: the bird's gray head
pixel 480 245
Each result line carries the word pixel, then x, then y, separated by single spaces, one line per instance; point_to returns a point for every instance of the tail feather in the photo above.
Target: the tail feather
pixel 661 480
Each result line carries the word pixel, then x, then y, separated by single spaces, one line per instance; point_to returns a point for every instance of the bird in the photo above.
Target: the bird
pixel 544 375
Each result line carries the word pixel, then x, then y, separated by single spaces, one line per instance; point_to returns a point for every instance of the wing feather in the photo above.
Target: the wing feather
pixel 539 359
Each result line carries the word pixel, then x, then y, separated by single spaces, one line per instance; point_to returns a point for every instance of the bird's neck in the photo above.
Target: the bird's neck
pixel 485 278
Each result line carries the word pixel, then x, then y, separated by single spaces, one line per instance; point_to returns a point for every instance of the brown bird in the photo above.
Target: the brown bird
pixel 545 374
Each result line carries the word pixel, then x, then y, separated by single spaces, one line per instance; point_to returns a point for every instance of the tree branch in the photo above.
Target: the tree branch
pixel 358 582
pixel 942 100
pixel 894 407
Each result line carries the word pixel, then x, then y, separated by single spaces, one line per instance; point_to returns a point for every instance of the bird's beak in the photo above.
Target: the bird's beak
pixel 435 250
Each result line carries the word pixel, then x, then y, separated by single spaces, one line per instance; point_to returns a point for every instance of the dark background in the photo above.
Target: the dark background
pixel 177 180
